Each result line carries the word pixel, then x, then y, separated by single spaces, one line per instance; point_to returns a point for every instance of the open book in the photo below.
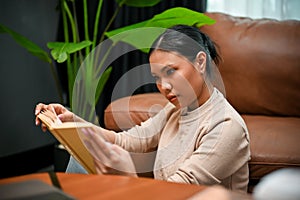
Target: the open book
pixel 67 133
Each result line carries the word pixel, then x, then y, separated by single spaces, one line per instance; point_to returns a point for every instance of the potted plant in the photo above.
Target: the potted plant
pixel 75 52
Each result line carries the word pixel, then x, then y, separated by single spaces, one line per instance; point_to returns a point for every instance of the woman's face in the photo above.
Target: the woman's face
pixel 179 80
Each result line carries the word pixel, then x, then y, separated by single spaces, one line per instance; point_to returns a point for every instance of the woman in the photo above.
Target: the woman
pixel 198 136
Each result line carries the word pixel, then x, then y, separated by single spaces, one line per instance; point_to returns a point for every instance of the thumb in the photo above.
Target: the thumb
pixel 62 117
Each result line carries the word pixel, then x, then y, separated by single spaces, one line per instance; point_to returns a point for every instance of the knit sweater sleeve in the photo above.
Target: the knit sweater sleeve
pixel 220 153
pixel 145 137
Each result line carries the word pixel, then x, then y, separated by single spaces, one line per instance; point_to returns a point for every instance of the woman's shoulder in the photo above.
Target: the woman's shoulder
pixel 227 111
pixel 164 113
pixel 223 114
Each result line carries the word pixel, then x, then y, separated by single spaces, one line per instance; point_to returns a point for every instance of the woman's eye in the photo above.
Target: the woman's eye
pixel 170 71
pixel 156 78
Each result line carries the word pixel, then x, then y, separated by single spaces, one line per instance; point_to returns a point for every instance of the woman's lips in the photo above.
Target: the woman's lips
pixel 172 98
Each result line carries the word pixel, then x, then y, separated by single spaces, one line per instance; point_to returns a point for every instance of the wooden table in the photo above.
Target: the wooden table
pixel 113 187
pixel 82 186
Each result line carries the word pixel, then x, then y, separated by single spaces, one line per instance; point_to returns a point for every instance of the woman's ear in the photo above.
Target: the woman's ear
pixel 201 62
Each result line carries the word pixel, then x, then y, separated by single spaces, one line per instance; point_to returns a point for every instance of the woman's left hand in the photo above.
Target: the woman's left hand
pixel 109 158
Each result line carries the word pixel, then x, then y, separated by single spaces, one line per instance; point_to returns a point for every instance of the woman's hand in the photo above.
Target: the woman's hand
pixel 109 158
pixel 57 109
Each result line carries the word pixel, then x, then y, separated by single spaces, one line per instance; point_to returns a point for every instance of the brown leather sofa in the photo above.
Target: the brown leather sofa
pixel 261 74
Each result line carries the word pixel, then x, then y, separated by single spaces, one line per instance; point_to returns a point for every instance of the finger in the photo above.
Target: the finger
pixel 100 142
pixel 100 168
pixel 98 155
pixel 94 149
pixel 66 117
pixel 58 107
pixel 39 107
pixel 61 112
pixel 44 127
pixel 118 150
pixel 49 115
pixel 37 121
pixel 100 148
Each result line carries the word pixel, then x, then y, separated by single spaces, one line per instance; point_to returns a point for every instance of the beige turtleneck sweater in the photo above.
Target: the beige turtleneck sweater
pixel 209 145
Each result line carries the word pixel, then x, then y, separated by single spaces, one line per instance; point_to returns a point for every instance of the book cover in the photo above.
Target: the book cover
pixel 67 133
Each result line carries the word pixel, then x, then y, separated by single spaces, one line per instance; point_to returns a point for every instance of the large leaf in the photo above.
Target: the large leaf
pixel 139 3
pixel 27 44
pixel 61 50
pixel 140 35
pixel 179 15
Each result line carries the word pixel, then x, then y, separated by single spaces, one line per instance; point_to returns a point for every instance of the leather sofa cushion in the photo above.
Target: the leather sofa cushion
pixel 261 63
pixel 274 143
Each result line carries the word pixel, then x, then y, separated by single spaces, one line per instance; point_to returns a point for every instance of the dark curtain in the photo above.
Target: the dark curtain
pixel 127 16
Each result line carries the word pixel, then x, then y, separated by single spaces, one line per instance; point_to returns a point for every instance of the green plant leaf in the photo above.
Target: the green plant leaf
pixel 103 79
pixel 139 3
pixel 141 38
pixel 31 47
pixel 180 15
pixel 61 50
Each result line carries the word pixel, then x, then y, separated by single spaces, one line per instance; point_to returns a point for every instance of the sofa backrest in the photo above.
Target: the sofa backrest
pixel 261 63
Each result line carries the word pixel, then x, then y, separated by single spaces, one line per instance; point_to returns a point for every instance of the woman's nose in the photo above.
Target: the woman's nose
pixel 166 85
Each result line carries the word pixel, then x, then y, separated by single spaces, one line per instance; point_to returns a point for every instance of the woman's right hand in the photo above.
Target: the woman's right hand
pixel 62 113
pixel 108 158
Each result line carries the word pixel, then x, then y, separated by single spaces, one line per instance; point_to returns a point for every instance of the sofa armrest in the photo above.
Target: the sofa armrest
pixel 127 112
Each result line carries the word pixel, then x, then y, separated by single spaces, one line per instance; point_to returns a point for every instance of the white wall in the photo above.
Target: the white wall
pixel 277 9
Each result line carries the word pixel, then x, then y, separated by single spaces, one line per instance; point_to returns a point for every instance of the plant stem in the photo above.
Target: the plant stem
pixel 70 70
pixel 97 23
pixel 111 20
pixel 103 35
pixel 88 59
pixel 65 25
pixel 95 34
pixel 86 25
pixel 103 59
pixel 74 56
pixel 66 38
pixel 72 22
pixel 97 53
pixel 57 83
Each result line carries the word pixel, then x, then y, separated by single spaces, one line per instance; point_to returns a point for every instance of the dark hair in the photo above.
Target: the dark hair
pixel 187 41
